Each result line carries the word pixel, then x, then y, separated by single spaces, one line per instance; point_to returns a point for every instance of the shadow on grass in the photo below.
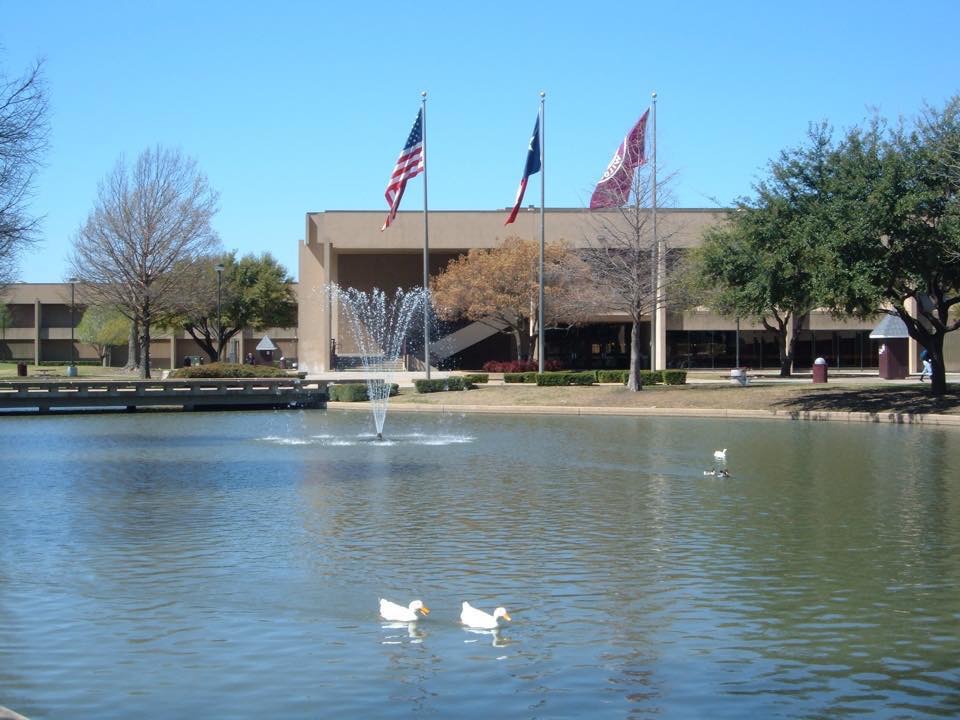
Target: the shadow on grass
pixel 876 400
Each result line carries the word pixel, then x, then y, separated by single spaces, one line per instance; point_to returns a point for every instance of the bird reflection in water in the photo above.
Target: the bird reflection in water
pixel 414 633
pixel 498 639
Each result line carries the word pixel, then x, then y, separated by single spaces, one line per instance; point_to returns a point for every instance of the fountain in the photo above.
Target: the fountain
pixel 379 324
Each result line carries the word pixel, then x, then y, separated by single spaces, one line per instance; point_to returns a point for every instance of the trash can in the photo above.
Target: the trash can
pixel 820 370
pixel 738 376
pixel 21 369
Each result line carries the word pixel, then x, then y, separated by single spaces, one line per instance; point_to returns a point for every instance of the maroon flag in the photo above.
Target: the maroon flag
pixel 409 164
pixel 613 190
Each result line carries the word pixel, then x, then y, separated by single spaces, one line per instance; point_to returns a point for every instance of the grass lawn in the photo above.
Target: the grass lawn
pixel 860 397
pixel 8 370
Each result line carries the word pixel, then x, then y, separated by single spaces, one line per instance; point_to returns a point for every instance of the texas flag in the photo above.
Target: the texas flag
pixel 532 167
pixel 613 190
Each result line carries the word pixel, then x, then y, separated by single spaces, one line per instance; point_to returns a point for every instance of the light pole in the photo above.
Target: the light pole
pixel 72 369
pixel 219 269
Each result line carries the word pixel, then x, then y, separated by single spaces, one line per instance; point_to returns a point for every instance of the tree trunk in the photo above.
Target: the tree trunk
pixel 787 339
pixel 518 339
pixel 145 342
pixel 933 344
pixel 133 348
pixel 633 379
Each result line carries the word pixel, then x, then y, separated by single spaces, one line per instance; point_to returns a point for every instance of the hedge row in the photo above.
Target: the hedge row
pixel 477 378
pixel 354 392
pixel 64 363
pixel 520 377
pixel 454 382
pixel 587 377
pixel 228 370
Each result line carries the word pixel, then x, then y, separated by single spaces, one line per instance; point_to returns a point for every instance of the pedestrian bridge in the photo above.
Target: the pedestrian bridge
pixel 192 394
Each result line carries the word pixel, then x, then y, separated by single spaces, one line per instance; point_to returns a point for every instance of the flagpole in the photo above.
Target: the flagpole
pixel 654 249
pixel 426 240
pixel 543 174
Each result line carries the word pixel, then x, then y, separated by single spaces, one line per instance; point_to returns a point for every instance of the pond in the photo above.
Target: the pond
pixel 230 564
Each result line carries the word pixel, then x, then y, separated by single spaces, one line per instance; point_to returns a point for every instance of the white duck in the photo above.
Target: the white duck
pixel 720 454
pixel 393 612
pixel 472 617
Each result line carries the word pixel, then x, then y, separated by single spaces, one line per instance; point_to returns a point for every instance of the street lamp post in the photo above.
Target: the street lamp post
pixel 219 326
pixel 72 369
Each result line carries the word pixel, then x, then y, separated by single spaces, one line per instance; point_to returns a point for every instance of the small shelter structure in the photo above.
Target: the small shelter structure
pixel 892 335
pixel 266 349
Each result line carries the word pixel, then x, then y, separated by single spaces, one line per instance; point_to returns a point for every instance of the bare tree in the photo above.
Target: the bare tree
pixel 149 221
pixel 23 139
pixel 623 257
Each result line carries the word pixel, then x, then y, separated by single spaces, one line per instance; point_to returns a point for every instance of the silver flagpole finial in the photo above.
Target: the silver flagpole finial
pixel 654 95
pixel 423 93
pixel 542 94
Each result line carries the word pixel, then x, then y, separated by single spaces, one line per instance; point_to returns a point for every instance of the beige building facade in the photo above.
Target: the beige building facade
pixel 39 318
pixel 348 248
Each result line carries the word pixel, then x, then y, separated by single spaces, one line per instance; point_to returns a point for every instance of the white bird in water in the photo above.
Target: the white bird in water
pixel 720 454
pixel 472 617
pixel 398 613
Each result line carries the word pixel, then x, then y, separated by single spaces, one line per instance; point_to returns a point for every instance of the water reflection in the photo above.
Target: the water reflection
pixel 237 571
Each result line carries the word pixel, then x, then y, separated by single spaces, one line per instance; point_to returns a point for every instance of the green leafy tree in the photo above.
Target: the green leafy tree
pixel 103 327
pixel 765 262
pixel 893 207
pixel 255 291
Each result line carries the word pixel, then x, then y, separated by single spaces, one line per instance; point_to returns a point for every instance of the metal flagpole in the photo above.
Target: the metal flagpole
pixel 426 240
pixel 543 174
pixel 654 249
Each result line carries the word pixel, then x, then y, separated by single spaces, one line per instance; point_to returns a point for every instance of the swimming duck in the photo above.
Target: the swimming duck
pixel 398 613
pixel 472 617
pixel 720 454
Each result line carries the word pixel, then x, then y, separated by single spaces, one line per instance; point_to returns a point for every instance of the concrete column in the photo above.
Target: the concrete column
pixel 37 317
pixel 173 350
pixel 660 342
pixel 315 314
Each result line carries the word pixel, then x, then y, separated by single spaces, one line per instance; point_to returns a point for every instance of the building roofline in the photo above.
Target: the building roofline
pixel 508 209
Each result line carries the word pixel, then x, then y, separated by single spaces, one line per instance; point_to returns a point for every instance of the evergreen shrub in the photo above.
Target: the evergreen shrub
pixel 675 377
pixel 228 370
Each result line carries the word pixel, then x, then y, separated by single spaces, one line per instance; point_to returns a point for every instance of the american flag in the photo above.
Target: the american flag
pixel 409 164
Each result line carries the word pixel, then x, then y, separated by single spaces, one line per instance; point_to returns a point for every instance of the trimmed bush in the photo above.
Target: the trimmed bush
pixel 513 377
pixel 229 370
pixel 454 382
pixel 354 391
pixel 457 382
pixel 476 378
pixel 586 377
pixel 675 377
pixel 553 378
pixel 651 377
pixel 613 376
pixel 64 363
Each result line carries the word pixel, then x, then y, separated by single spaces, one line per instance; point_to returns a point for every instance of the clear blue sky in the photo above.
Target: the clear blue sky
pixel 292 107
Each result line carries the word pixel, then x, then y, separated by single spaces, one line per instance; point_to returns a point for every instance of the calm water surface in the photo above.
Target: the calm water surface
pixel 229 565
